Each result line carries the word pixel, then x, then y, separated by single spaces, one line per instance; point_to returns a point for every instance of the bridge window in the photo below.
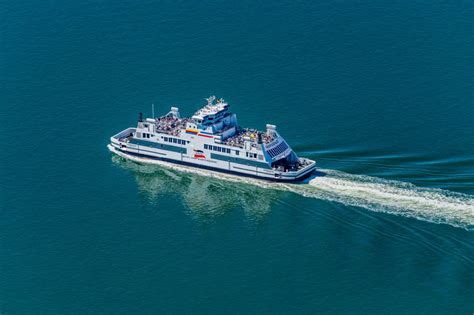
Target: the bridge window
pixel 251 155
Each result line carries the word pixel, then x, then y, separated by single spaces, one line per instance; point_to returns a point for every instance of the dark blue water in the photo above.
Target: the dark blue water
pixel 380 93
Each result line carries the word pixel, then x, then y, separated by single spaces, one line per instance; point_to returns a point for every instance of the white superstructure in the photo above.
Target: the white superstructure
pixel 212 139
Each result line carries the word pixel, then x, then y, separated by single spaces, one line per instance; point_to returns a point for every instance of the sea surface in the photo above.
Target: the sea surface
pixel 380 93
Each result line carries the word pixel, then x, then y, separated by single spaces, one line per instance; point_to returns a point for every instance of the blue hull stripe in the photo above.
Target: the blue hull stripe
pixel 239 161
pixel 220 170
pixel 160 146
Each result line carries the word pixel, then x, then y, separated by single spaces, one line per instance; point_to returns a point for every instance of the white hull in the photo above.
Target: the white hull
pixel 150 155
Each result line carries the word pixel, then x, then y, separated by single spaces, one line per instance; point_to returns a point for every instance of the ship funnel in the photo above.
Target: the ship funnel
pixel 271 129
pixel 174 112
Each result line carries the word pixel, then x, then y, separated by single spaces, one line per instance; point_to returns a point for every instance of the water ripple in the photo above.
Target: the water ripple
pixel 372 193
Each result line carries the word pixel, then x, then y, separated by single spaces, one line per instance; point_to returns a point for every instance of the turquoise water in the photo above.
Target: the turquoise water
pixel 379 93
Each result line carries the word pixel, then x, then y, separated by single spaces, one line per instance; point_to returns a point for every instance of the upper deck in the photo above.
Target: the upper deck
pixel 211 112
pixel 247 134
pixel 205 120
pixel 170 125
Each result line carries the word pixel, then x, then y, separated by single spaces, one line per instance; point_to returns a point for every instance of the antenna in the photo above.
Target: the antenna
pixel 153 110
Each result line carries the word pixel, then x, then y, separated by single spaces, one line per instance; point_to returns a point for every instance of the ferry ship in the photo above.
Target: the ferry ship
pixel 212 139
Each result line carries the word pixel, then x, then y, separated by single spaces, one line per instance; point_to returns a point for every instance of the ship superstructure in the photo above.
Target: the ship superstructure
pixel 212 139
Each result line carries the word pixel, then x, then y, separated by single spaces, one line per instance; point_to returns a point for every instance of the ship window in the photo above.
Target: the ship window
pixel 205 146
pixel 174 140
pixel 165 138
pixel 228 151
pixel 237 152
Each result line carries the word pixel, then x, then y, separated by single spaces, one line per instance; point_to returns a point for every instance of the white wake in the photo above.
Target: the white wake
pixel 376 194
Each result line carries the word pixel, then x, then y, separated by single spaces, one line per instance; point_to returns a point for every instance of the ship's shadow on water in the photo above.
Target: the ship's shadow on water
pixel 208 194
pixel 205 198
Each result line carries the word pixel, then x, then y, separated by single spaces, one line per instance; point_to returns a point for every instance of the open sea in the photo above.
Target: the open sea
pixel 380 93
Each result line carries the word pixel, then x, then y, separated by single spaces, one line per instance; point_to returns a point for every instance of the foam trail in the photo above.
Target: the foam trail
pixel 376 194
